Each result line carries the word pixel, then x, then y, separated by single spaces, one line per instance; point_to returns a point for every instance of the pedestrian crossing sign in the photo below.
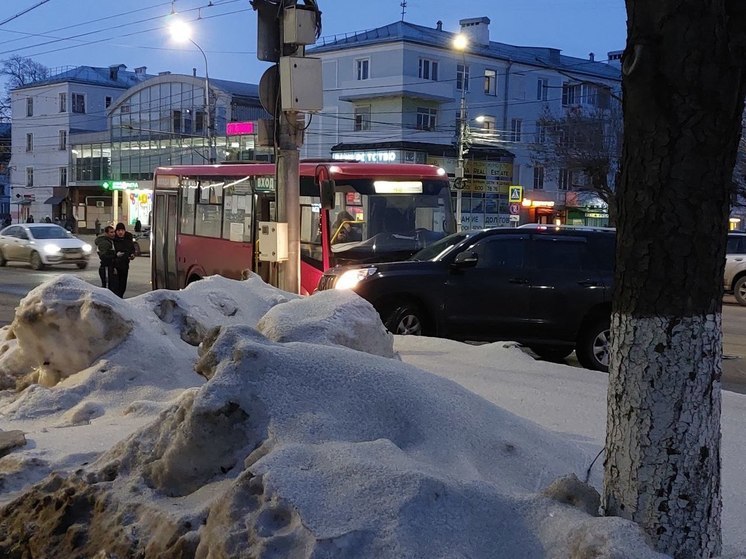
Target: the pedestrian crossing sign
pixel 515 194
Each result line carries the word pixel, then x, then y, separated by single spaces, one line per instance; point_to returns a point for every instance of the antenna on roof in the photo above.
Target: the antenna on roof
pixel 403 5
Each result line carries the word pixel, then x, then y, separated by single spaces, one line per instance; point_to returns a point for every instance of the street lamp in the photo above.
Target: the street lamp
pixel 460 43
pixel 181 32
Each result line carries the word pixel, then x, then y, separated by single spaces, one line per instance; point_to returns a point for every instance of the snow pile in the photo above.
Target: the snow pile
pixel 330 317
pixel 311 450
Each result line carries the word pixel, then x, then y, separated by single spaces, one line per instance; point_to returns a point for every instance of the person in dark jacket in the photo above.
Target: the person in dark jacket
pixel 106 254
pixel 124 244
pixel 138 225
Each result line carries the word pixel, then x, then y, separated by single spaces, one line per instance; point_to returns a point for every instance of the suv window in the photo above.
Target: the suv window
pixel 500 252
pixel 735 245
pixel 561 253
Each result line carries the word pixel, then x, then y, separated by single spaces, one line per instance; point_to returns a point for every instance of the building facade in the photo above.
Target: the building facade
pixel 396 93
pixel 45 114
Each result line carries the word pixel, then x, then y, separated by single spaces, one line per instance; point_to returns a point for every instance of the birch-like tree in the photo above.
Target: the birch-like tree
pixel 684 81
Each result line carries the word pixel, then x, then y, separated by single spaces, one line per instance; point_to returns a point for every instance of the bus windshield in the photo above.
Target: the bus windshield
pixel 388 227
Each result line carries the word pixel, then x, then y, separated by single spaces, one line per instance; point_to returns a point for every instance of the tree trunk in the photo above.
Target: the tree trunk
pixel 683 83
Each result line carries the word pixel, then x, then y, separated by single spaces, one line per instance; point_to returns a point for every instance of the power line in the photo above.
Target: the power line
pixel 27 10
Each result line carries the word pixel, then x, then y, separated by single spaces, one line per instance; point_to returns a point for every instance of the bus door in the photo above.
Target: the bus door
pixel 264 204
pixel 164 242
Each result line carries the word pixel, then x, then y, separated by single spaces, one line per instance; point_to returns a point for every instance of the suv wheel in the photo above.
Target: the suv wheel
pixel 405 319
pixel 594 345
pixel 739 290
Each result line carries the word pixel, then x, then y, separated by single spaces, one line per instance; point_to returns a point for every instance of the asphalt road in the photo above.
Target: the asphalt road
pixel 16 280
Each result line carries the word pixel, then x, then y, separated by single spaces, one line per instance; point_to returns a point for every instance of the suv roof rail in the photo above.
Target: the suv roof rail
pixel 548 226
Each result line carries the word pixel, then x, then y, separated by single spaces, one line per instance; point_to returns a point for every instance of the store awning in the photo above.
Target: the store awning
pixel 54 200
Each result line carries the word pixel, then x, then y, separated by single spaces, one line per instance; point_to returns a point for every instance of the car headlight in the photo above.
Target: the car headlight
pixel 351 278
pixel 87 248
pixel 52 249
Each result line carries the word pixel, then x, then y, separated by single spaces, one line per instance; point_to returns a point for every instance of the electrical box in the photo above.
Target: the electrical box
pixel 273 241
pixel 299 26
pixel 300 84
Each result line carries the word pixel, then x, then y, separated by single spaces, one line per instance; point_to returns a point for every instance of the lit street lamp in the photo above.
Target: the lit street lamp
pixel 460 43
pixel 181 32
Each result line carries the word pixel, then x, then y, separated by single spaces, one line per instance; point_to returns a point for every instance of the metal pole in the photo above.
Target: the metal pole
pixel 288 197
pixel 212 153
pixel 461 139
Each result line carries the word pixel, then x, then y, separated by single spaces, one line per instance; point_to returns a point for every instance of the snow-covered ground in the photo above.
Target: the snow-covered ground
pixel 232 419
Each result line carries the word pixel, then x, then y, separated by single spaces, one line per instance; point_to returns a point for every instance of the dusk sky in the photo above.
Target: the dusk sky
pixel 132 32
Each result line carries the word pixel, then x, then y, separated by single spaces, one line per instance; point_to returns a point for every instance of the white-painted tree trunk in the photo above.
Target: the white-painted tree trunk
pixel 662 468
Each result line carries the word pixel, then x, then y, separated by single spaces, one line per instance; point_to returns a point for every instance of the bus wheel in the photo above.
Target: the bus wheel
pixel 192 279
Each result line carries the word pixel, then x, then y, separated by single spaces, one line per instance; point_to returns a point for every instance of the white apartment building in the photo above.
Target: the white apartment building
pixel 44 115
pixel 394 94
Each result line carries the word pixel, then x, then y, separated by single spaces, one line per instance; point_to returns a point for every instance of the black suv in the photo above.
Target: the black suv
pixel 547 287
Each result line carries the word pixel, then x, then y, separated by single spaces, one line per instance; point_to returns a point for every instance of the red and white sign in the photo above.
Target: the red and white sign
pixel 515 209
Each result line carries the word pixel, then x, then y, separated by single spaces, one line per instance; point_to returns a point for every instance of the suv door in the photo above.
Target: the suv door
pixel 490 300
pixel 565 284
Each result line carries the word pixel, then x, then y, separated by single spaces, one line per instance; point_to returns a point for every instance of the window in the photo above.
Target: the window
pixel 565 179
pixel 29 142
pixel 63 139
pixel 199 122
pixel 29 106
pixel 107 102
pixel 501 252
pixel 362 67
pixel 362 118
pixel 542 89
pixel 63 176
pixel 176 121
pixel 237 211
pixel 29 176
pixel 541 134
pixel 561 253
pixel 63 102
pixel 426 118
pixel 428 69
pixel 462 77
pixel 209 209
pixel 516 124
pixel 538 178
pixel 487 123
pixel 78 103
pixel 490 82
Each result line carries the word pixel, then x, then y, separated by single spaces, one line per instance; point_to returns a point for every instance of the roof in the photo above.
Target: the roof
pixel 429 148
pixel 239 89
pixel 91 75
pixel 409 32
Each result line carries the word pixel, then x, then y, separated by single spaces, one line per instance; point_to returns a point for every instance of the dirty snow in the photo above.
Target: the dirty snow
pixel 299 428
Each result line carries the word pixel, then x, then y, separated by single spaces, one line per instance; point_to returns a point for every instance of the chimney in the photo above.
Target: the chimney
pixel 591 57
pixel 164 73
pixel 194 72
pixel 114 71
pixel 614 58
pixel 477 29
pixel 141 70
pixel 439 26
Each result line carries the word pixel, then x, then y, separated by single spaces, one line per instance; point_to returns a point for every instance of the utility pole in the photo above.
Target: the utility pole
pixel 459 174
pixel 288 89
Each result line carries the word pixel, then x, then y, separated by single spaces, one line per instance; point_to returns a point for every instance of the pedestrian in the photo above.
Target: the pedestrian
pixel 97 226
pixel 138 225
pixel 124 244
pixel 70 223
pixel 30 218
pixel 47 219
pixel 107 254
pixel 8 221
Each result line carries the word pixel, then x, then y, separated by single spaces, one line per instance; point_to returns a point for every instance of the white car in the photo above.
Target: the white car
pixel 42 244
pixel 734 278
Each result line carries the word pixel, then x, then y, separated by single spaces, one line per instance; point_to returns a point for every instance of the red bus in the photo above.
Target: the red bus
pixel 205 217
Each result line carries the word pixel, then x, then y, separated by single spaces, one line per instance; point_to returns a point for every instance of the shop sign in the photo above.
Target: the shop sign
pixel 367 156
pixel 120 185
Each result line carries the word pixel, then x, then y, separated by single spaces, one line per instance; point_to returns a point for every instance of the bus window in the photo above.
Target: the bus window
pixel 188 198
pixel 310 230
pixel 237 212
pixel 209 210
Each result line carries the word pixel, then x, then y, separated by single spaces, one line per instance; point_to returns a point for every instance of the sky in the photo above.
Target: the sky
pixel 303 428
pixel 61 33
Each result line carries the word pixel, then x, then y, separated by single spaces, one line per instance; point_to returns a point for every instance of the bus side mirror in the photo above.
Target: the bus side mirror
pixel 326 188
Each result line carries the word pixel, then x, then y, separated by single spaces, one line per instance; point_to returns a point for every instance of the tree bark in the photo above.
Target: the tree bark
pixel 684 85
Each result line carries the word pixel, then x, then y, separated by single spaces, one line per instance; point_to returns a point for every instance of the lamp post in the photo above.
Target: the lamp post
pixel 182 32
pixel 460 43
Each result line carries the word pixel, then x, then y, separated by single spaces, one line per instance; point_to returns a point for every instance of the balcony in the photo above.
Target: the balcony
pixel 397 86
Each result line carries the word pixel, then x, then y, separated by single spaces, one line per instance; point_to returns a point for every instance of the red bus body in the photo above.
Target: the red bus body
pixel 205 217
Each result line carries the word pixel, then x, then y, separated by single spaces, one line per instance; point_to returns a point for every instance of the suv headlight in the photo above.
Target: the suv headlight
pixel 87 248
pixel 51 249
pixel 351 278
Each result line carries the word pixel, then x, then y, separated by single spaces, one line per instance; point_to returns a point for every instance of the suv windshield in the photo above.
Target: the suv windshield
pixel 53 232
pixel 439 248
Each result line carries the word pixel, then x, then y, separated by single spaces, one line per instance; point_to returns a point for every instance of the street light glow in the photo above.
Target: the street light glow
pixel 480 119
pixel 180 31
pixel 460 42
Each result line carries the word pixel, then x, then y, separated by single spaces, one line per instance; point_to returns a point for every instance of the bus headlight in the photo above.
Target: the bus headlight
pixel 351 278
